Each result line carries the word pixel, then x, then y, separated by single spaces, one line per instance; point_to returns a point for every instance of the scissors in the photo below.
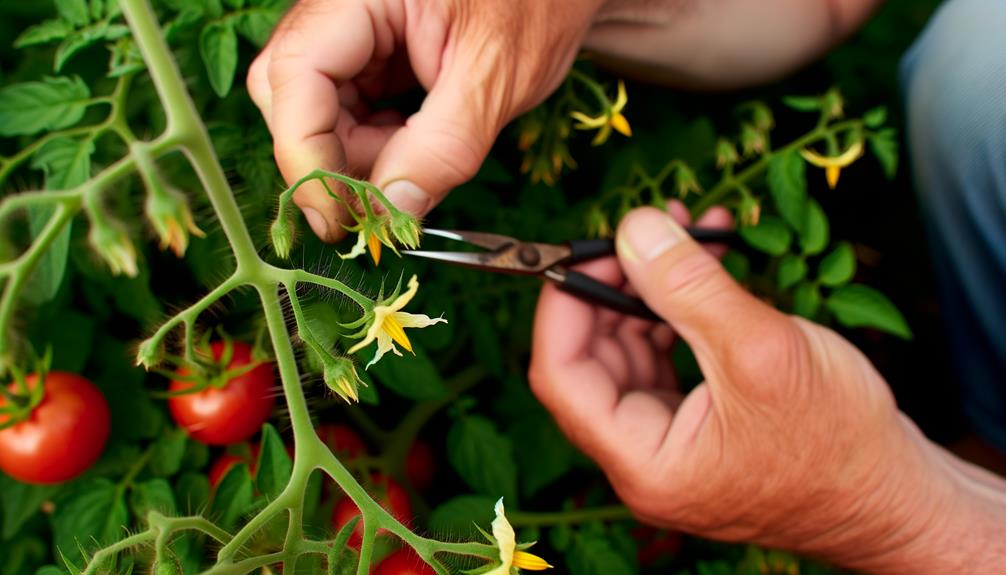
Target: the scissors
pixel 551 261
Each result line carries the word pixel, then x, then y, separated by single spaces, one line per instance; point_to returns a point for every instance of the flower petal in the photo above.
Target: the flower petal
pixel 406 319
pixel 588 122
pixel 621 125
pixel 620 100
pixel 394 329
pixel 358 247
pixel 529 561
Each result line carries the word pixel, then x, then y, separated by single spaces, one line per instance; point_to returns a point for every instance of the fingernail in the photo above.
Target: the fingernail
pixel 648 234
pixel 408 197
pixel 317 222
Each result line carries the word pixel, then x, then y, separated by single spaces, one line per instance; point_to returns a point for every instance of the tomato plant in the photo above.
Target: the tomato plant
pixel 162 126
pixel 229 406
pixel 61 436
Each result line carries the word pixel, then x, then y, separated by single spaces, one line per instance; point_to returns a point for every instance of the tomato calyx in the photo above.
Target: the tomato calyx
pixel 19 398
pixel 208 370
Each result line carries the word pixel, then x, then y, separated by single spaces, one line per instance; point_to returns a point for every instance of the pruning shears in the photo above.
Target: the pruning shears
pixel 551 262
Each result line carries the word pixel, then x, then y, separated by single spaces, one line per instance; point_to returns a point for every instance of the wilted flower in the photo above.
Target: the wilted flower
pixel 387 323
pixel 114 246
pixel 833 164
pixel 611 118
pixel 512 556
pixel 168 211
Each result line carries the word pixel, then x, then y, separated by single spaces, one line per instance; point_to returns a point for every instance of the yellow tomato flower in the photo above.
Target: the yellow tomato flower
pixel 370 235
pixel 389 323
pixel 510 555
pixel 833 165
pixel 612 118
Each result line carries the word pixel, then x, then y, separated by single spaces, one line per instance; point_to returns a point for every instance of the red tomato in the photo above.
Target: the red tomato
pixel 342 440
pixel 228 414
pixel 403 562
pixel 419 465
pixel 224 463
pixel 392 497
pixel 64 435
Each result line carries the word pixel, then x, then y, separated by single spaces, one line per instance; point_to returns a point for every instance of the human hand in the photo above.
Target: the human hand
pixel 792 441
pixel 482 63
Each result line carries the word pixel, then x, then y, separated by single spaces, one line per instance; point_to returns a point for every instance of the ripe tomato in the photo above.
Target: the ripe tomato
pixel 223 463
pixel 391 496
pixel 64 435
pixel 419 465
pixel 403 562
pixel 342 440
pixel 231 413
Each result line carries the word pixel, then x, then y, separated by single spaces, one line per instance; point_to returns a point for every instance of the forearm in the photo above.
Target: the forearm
pixel 720 43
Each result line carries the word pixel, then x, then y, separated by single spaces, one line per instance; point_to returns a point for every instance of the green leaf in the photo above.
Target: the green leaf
pixel 44 282
pixel 857 305
pixel 91 514
pixel 875 118
pixel 152 495
pixel 23 554
pixel 815 234
pixel 86 37
pixel 806 300
pixel 770 236
pixel 274 465
pixel 47 31
pixel 234 497
pixel 884 145
pixel 73 11
pixel 19 502
pixel 803 103
pixel 255 25
pixel 461 514
pixel 482 457
pixel 192 493
pixel 551 458
pixel 415 377
pixel 787 182
pixel 52 104
pixel 50 570
pixel 792 269
pixel 838 267
pixel 167 452
pixel 218 46
pixel 65 161
pixel 592 554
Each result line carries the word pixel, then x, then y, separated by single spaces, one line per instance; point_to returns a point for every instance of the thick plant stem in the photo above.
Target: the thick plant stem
pixel 185 123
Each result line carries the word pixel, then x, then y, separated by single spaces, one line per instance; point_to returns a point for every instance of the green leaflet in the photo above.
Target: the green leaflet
pixel 787 182
pixel 218 46
pixel 838 267
pixel 482 457
pixel 770 236
pixel 857 305
pixel 51 104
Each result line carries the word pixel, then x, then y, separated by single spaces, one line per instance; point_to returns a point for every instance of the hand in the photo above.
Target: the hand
pixel 793 440
pixel 482 63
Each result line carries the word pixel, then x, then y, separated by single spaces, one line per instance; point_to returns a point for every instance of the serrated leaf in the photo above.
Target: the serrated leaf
pixel 770 236
pixel 73 11
pixel 875 118
pixel 47 31
pixel 85 37
pixel 803 103
pixel 218 46
pixel 274 465
pixel 52 104
pixel 806 300
pixel 884 145
pixel 857 305
pixel 19 502
pixel 787 183
pixel 234 497
pixel 838 267
pixel 167 452
pixel 593 555
pixel 482 457
pixel 792 269
pixel 152 495
pixel 461 514
pixel 90 514
pixel 815 234
pixel 65 161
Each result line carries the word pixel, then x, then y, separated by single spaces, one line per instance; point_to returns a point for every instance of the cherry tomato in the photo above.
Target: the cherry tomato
pixel 64 435
pixel 403 562
pixel 419 465
pixel 228 414
pixel 224 463
pixel 391 496
pixel 342 440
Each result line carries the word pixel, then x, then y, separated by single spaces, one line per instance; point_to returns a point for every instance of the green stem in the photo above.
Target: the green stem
pixel 99 558
pixel 576 516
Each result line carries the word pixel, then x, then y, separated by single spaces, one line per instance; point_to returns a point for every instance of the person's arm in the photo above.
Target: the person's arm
pixel 720 43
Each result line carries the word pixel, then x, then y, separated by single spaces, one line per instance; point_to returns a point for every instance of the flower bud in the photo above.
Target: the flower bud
pixel 726 153
pixel 281 233
pixel 114 246
pixel 685 181
pixel 405 229
pixel 752 140
pixel 169 214
pixel 750 211
pixel 341 377
pixel 761 117
pixel 833 103
pixel 149 354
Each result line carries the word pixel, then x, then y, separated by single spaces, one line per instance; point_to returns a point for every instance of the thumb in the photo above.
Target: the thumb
pixel 441 146
pixel 686 285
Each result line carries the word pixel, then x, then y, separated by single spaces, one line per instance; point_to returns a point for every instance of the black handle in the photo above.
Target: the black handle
pixel 583 250
pixel 591 290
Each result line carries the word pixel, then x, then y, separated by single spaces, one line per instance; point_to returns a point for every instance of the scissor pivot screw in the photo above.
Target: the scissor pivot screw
pixel 528 255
